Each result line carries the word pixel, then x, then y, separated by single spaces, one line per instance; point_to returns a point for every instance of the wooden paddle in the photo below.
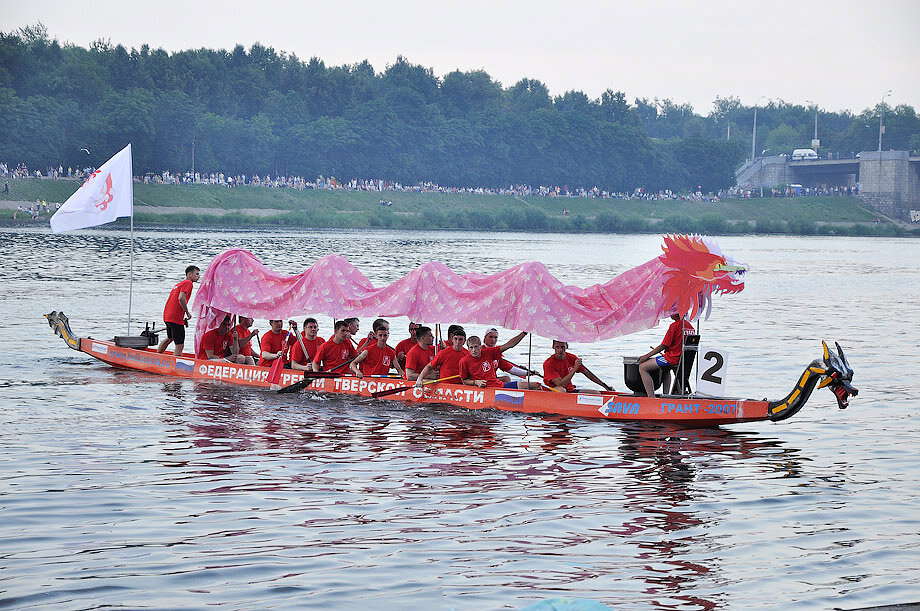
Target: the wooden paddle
pixel 393 391
pixel 303 347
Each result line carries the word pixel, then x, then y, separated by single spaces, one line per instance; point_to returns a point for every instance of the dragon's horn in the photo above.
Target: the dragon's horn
pixel 817 370
pixel 843 357
pixel 827 352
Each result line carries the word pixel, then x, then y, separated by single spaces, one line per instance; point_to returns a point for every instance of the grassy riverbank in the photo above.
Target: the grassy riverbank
pixel 205 205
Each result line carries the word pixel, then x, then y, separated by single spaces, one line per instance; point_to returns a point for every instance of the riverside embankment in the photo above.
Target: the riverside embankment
pixel 211 205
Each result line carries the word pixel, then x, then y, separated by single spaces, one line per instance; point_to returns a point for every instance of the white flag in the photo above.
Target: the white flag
pixel 106 195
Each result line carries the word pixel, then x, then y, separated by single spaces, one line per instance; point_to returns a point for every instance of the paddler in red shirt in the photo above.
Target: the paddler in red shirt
pixel 446 363
pixel 221 345
pixel 176 313
pixel 275 343
pixel 376 358
pixel 244 336
pixel 492 350
pixel 403 347
pixel 559 369
pixel 421 354
pixel 372 336
pixel 353 325
pixel 311 341
pixel 336 351
pixel 477 369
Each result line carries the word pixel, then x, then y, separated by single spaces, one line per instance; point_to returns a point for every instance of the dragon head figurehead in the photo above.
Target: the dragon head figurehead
pixel 832 370
pixel 696 269
pixel 838 375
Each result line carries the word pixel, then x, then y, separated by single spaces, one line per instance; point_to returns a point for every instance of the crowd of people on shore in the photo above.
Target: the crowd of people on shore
pixel 376 185
pixel 36 210
pixel 789 191
pixel 21 170
pixel 421 358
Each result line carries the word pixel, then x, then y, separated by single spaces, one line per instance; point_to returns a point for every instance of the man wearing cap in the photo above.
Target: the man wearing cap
pixel 492 351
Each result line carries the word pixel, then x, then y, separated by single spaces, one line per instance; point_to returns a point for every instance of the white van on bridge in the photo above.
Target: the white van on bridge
pixel 804 155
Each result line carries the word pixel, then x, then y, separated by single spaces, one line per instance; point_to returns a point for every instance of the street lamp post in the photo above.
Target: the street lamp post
pixel 881 113
pixel 815 137
pixel 754 133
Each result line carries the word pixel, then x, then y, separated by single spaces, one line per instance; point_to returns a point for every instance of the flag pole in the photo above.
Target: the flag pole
pixel 131 272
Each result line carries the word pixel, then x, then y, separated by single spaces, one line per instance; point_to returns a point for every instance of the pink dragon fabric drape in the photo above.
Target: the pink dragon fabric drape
pixel 526 297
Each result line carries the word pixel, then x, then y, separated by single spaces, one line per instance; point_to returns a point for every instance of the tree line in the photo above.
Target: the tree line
pixel 258 111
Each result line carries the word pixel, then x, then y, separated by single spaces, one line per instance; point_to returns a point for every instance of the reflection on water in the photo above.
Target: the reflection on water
pixel 130 490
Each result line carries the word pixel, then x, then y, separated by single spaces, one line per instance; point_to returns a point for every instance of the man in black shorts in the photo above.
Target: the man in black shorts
pixel 176 313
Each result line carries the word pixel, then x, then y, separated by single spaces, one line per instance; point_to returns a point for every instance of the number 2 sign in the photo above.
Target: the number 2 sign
pixel 710 374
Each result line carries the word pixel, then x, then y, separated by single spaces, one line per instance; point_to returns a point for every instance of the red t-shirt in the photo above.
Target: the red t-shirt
pixel 173 312
pixel 482 368
pixel 405 345
pixel 378 360
pixel 330 355
pixel 447 362
pixel 673 340
pixel 241 332
pixel 312 345
pixel 217 343
pixel 273 342
pixel 363 344
pixel 553 368
pixel 416 359
pixel 494 353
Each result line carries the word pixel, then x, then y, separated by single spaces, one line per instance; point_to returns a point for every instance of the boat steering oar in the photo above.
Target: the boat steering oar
pixel 393 391
pixel 308 379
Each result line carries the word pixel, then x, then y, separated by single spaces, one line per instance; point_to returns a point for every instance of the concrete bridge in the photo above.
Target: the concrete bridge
pixel 889 181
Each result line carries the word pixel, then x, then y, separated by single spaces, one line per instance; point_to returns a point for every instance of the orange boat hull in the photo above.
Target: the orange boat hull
pixel 693 411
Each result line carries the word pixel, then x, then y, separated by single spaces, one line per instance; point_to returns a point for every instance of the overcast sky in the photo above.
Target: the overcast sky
pixel 841 54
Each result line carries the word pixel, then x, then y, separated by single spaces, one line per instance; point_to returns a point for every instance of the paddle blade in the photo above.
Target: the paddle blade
pixel 274 374
pixel 296 385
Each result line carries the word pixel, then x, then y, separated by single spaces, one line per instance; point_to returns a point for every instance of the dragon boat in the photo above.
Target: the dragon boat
pixel 680 281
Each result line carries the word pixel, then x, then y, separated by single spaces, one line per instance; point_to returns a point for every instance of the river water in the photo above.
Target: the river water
pixel 126 490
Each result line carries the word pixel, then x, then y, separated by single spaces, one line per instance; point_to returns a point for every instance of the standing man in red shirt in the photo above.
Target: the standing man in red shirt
pixel 311 341
pixel 421 354
pixel 672 345
pixel 336 351
pixel 559 369
pixel 176 313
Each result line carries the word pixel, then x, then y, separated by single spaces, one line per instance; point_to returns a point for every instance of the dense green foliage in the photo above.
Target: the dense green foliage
pixel 264 112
